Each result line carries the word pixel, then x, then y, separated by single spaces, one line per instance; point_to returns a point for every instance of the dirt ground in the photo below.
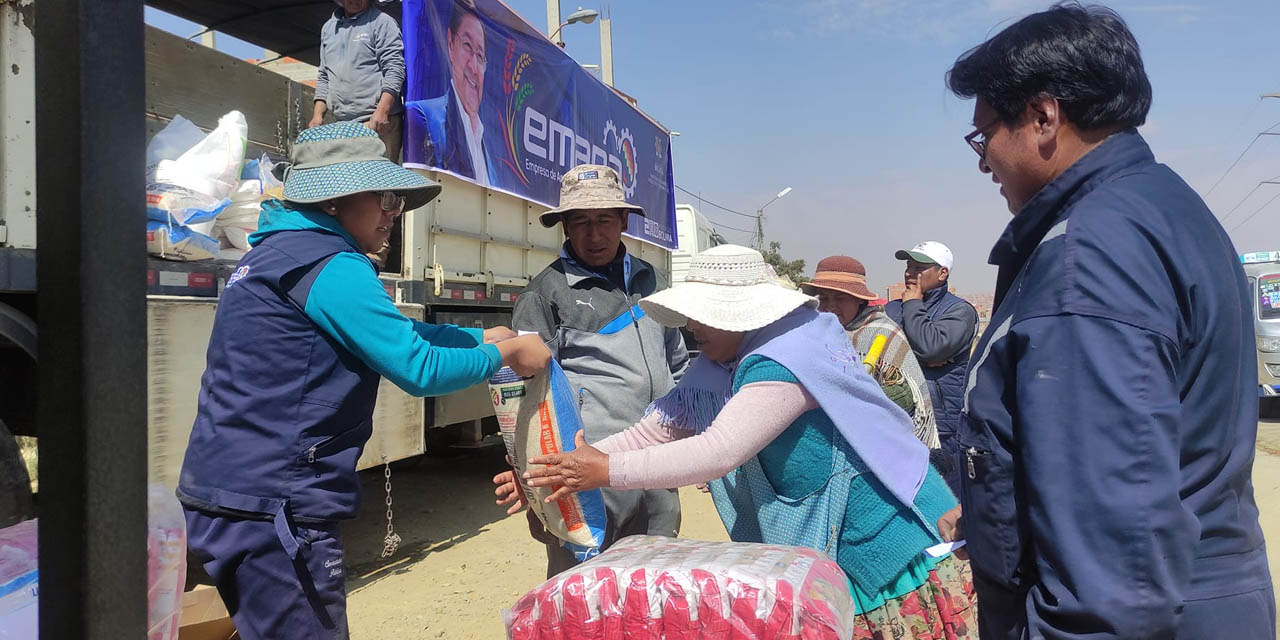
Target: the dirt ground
pixel 463 560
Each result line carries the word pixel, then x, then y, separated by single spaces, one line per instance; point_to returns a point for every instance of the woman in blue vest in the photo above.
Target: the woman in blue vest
pixel 303 334
pixel 798 444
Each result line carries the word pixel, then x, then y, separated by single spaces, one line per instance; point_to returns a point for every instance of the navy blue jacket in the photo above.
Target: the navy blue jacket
pixel 1111 414
pixel 303 334
pixel 940 329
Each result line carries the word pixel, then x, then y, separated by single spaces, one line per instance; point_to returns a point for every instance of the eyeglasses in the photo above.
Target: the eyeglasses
pixel 979 145
pixel 472 51
pixel 391 201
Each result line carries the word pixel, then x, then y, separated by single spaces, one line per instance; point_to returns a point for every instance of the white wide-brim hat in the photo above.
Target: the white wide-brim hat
pixel 728 287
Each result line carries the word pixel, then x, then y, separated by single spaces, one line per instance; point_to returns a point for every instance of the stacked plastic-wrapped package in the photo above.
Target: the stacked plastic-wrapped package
pixel 201 190
pixel 166 563
pixel 657 588
pixel 19 581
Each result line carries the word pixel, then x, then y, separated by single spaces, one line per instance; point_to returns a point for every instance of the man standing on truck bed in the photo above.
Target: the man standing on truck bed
pixel 584 306
pixel 361 73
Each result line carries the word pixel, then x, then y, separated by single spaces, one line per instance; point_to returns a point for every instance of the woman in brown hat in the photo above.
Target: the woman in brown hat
pixel 840 285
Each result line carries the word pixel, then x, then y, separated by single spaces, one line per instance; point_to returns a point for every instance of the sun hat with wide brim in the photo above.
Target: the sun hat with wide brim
pixel 586 187
pixel 843 274
pixel 728 287
pixel 339 159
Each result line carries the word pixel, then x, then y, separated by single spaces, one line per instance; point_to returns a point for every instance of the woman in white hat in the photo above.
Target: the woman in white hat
pixel 798 444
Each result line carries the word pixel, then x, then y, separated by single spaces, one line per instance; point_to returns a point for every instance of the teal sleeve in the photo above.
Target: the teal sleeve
pixel 348 302
pixel 448 335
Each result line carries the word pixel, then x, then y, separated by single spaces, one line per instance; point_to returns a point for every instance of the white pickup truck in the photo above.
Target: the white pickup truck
pixel 461 259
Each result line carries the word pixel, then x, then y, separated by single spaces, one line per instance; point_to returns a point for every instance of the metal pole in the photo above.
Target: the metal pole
pixel 606 46
pixel 91 394
pixel 553 22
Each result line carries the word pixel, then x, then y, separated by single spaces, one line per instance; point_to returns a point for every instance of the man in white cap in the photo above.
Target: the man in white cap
pixel 940 327
pixel 585 306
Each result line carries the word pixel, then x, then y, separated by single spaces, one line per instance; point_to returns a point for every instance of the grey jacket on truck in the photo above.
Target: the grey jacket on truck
pixel 617 360
pixel 361 58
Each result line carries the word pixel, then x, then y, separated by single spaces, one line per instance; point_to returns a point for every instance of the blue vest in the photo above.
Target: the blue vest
pixel 946 383
pixel 284 410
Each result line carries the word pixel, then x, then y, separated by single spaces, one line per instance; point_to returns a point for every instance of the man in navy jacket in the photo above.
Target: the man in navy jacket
pixel 1111 405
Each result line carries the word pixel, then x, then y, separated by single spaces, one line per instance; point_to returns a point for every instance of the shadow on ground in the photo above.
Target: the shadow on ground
pixel 436 503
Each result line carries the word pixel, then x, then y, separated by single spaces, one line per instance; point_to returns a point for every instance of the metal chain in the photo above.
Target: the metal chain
pixel 392 541
pixel 297 119
pixel 279 135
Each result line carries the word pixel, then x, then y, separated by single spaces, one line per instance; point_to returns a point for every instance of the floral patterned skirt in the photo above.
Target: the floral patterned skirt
pixel 943 608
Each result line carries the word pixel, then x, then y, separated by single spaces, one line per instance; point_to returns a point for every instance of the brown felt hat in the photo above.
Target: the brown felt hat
pixel 843 274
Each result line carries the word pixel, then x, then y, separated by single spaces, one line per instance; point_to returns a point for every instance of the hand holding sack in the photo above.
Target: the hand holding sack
pixel 539 416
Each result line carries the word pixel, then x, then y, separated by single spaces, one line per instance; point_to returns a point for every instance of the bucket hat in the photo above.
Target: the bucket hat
pixel 589 186
pixel 840 273
pixel 343 158
pixel 728 287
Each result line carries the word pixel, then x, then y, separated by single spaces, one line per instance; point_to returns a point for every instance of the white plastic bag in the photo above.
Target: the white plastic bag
pixel 171 142
pixel 213 166
pixel 240 218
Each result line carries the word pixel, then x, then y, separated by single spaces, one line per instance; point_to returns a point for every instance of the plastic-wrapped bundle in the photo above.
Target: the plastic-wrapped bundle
pixel 538 416
pixel 166 562
pixel 19 581
pixel 657 588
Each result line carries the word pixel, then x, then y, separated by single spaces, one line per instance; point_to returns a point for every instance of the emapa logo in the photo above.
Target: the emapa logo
pixel 237 275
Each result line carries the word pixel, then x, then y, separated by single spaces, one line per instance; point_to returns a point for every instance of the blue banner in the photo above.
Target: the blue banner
pixel 491 100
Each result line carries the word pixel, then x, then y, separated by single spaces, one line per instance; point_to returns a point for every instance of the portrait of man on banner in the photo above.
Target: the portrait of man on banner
pixel 452 126
pixel 491 100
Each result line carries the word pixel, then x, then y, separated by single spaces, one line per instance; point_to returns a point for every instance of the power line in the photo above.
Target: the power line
pixel 1255 212
pixel 1239 157
pixel 745 215
pixel 1247 196
pixel 725 226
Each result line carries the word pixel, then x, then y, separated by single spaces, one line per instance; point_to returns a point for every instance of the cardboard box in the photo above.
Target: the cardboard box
pixel 204 616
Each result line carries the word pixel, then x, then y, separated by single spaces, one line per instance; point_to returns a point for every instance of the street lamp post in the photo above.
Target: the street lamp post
pixel 585 16
pixel 759 237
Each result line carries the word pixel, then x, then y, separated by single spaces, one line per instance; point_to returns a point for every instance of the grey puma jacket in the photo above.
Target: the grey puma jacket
pixel 617 359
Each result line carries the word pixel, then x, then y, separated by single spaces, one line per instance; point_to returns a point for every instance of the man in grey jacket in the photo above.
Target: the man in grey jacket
pixel 361 73
pixel 618 360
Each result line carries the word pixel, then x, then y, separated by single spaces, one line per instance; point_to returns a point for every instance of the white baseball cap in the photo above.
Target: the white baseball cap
pixel 927 252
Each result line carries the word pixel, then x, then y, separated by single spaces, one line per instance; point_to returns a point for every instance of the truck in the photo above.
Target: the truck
pixel 1263 270
pixel 461 259
pixel 695 234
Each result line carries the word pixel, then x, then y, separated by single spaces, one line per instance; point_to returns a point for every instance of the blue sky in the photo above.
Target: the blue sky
pixel 844 101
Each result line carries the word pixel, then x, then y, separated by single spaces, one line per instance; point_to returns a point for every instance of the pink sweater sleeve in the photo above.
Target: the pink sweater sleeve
pixel 646 433
pixel 753 417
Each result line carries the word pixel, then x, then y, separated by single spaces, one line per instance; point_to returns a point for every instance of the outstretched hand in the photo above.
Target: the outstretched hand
pixel 509 491
pixel 582 469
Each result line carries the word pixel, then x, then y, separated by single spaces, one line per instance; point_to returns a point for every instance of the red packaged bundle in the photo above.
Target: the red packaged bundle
pixel 656 588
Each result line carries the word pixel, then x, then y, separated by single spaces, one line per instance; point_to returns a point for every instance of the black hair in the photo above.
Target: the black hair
pixel 461 9
pixel 1085 56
